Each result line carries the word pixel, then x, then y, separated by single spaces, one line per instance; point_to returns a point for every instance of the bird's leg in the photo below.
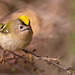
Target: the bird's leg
pixel 2 58
pixel 14 56
pixel 30 56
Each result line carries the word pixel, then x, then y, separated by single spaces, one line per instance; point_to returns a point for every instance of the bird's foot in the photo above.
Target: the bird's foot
pixel 2 59
pixel 30 57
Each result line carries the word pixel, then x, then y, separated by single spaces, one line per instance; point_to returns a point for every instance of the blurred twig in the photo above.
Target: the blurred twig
pixel 38 57
pixel 48 60
pixel 25 59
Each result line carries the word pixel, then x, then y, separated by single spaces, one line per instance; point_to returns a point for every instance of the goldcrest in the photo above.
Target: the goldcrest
pixel 16 34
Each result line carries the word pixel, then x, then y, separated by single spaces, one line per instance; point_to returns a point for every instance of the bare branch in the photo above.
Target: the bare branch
pixel 38 57
pixel 48 60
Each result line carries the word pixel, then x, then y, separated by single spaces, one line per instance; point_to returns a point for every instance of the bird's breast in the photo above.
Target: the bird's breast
pixel 8 42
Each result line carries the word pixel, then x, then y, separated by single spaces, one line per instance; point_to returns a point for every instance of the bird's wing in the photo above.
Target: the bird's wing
pixel 3 28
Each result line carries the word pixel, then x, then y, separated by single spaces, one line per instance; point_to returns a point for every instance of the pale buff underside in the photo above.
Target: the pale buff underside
pixel 8 43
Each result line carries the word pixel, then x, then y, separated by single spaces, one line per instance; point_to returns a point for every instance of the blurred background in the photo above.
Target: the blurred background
pixel 54 32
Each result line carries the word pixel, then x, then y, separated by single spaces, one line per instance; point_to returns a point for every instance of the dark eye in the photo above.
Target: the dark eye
pixel 21 27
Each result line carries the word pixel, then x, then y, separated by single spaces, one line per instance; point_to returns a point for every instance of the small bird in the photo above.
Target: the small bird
pixel 16 34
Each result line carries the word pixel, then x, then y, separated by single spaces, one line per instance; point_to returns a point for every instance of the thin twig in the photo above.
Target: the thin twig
pixel 50 62
pixel 25 59
pixel 40 57
pixel 46 59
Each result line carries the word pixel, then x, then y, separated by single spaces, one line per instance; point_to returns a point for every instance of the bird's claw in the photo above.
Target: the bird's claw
pixel 30 57
pixel 2 60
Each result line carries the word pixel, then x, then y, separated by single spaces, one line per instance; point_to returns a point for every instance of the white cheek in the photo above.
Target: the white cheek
pixel 26 30
pixel 6 30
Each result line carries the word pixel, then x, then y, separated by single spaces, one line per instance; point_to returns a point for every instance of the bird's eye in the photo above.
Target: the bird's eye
pixel 21 27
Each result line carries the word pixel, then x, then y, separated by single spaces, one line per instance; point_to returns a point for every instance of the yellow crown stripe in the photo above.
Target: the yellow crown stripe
pixel 24 19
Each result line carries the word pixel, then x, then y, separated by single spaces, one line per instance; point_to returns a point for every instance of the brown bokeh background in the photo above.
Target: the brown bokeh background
pixel 52 22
